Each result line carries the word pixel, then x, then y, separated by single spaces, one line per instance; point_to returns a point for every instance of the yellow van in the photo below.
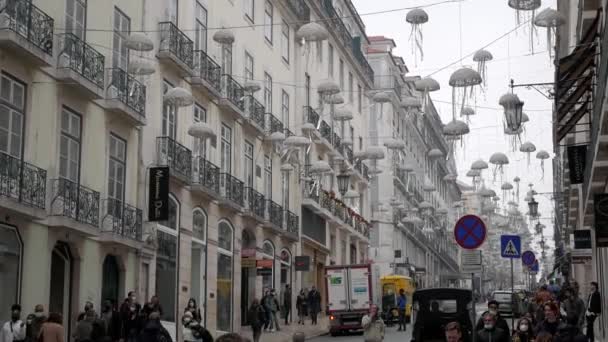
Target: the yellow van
pixel 391 284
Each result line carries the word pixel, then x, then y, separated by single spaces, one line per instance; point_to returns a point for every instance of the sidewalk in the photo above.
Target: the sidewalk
pixel 287 331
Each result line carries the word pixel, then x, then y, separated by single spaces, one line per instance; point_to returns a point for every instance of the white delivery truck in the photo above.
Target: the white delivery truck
pixel 349 295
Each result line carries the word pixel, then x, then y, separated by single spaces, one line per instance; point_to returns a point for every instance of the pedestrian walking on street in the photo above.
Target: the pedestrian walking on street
pixel 523 332
pixel 453 332
pixel 401 304
pixel 275 309
pixel 194 310
pixel 153 330
pixel 89 328
pixel 111 321
pixel 87 306
pixel 130 318
pixel 266 305
pixel 34 323
pixel 153 306
pixel 302 306
pixel 491 332
pixel 256 318
pixel 287 303
pixel 314 304
pixel 573 305
pixel 52 330
pixel 594 308
pixel 373 326
pixel 551 323
pixel 500 323
pixel 14 330
pixel 570 332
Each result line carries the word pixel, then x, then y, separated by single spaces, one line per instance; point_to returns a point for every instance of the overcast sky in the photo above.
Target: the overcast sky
pixel 482 21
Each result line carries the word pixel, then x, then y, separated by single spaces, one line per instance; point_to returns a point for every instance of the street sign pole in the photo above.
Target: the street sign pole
pixel 512 296
pixel 473 306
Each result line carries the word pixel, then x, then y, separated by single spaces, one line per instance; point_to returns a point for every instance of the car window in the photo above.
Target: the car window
pixel 442 306
pixel 502 296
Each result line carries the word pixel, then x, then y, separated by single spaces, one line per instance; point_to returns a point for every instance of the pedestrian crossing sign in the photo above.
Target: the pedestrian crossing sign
pixel 510 246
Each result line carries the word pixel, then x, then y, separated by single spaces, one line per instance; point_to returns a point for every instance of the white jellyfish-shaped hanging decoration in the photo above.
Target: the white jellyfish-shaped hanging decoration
pixel 528 148
pixel 435 153
pixel 482 57
pixel 499 160
pixel 326 89
pixel 506 187
pixel 550 19
pixel 178 97
pixel 542 155
pixel 475 176
pixel 416 18
pixel 426 86
pixel 466 113
pixel 513 137
pixel 516 180
pixel 454 131
pixel 461 81
pixel 396 146
pixel 526 11
pixel 411 104
pixel 224 37
pixel 479 164
pixel 309 34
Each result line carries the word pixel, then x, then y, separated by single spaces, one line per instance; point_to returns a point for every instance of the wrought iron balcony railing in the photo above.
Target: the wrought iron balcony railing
pixel 273 124
pixel 28 21
pixel 325 130
pixel 232 188
pixel 175 155
pixel 311 115
pixel 300 9
pixel 292 223
pixel 362 168
pixel 347 152
pixel 233 91
pixel 255 110
pixel 127 89
pixel 255 202
pixel 176 42
pixel 75 201
pixel 337 141
pixel 207 69
pixel 288 132
pixel 22 181
pixel 206 174
pixel 122 219
pixel 275 213
pixel 75 54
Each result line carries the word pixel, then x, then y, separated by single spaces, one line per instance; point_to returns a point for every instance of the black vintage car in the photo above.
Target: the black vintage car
pixel 434 308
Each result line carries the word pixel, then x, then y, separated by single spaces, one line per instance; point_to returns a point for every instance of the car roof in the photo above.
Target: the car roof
pixel 443 293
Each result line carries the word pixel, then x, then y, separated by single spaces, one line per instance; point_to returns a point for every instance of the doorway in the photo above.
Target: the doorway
pixel 110 279
pixel 248 275
pixel 61 283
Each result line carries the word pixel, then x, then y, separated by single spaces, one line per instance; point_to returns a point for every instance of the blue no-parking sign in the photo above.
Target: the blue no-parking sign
pixel 510 246
pixel 470 232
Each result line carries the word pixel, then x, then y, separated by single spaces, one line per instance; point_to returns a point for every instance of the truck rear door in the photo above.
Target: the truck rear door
pixel 337 284
pixel 359 288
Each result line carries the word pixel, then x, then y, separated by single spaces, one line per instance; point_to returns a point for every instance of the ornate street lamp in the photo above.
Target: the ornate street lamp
pixel 513 110
pixel 533 207
pixel 343 182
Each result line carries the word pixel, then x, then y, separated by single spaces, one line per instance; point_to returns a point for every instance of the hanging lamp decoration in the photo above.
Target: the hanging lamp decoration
pixel 450 177
pixel 526 12
pixel 426 86
pixel 482 57
pixel 138 41
pixel 140 67
pixel 326 89
pixel 513 107
pixel 411 104
pixel 223 37
pixel 201 130
pixel 251 87
pixel 374 153
pixel 461 81
pixel 312 35
pixel 466 113
pixel 479 164
pixel 516 180
pixel 528 148
pixel 550 19
pixel 513 137
pixel 381 98
pixel 416 18
pixel 395 147
pixel 435 153
pixel 475 176
pixel 506 187
pixel 178 97
pixel 542 155
pixel 454 131
pixel 499 160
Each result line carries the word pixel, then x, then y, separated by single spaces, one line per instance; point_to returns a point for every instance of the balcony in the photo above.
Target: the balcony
pixel 207 74
pixel 388 83
pixel 126 97
pixel 22 187
pixel 255 113
pixel 80 65
pixel 362 169
pixel 74 207
pixel 28 31
pixel 255 204
pixel 273 124
pixel 299 9
pixel 292 225
pixel 232 190
pixel 232 96
pixel 274 215
pixel 176 48
pixel 311 116
pixel 122 223
pixel 206 178
pixel 175 155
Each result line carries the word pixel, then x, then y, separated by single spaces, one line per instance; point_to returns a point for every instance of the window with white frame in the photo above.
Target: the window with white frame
pixel 341 73
pixel 200 27
pixel 285 41
pixel 268 254
pixel 171 11
pixel 69 147
pixel 122 29
pixel 12 111
pixel 248 66
pixel 169 119
pixel 249 164
pixel 75 17
pixel 249 9
pixel 330 60
pixel 166 260
pixel 268 21
pixel 199 146
pixel 268 92
pixel 224 276
pixel 351 90
pixel 285 108
pixel 268 176
pixel 198 267
pixel 226 149
pixel 116 177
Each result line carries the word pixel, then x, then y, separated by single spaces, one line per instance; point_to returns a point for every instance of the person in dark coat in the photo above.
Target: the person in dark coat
pixel 491 332
pixel 153 306
pixel 594 308
pixel 500 321
pixel 314 304
pixel 257 318
pixel 551 323
pixel 130 318
pixel 153 330
pixel 287 303
pixel 302 306
pixel 570 332
pixel 110 318
pixel 34 323
pixel 194 310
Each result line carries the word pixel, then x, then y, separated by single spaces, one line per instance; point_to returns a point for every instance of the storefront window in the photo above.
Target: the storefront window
pixel 224 277
pixel 198 267
pixel 166 262
pixel 268 254
pixel 10 263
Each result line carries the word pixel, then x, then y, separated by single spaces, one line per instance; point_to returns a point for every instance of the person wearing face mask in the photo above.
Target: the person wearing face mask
pixel 14 330
pixel 500 322
pixel 153 306
pixel 491 332
pixel 523 332
pixel 373 326
pixel 187 329
pixel 130 318
pixel 594 308
pixel 110 319
pixel 194 310
pixel 551 322
pixel 34 323
pixel 87 307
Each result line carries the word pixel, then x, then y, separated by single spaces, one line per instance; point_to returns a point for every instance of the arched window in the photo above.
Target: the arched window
pixel 166 260
pixel 198 267
pixel 224 276
pixel 268 275
pixel 10 269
